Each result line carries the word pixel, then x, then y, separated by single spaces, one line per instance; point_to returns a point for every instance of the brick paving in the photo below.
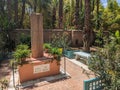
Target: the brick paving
pixel 75 82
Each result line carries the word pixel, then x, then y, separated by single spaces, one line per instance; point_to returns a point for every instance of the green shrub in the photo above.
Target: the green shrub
pixel 106 63
pixel 56 53
pixel 99 38
pixel 21 53
pixel 61 41
pixel 22 47
pixel 47 47
pixel 117 36
pixel 6 26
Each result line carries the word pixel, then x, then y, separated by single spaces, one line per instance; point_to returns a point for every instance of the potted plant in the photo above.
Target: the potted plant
pixel 56 54
pixel 21 53
pixel 47 47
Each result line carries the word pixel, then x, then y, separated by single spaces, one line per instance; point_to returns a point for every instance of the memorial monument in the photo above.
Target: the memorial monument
pixel 38 64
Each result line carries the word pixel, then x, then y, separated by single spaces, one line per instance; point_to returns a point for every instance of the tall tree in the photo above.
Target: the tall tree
pixel 35 5
pixel 72 10
pixel 23 13
pixel 81 5
pixel 81 16
pixel 60 14
pixel 9 9
pixel 76 16
pixel 43 5
pixel 87 30
pixel 93 5
pixel 16 11
pixel 2 3
pixel 97 11
pixel 54 9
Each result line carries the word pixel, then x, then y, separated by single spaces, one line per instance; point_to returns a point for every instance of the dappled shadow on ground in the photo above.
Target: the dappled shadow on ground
pixel 5 69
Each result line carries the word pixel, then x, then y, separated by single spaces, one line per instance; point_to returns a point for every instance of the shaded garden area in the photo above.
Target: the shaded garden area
pixel 5 74
pixel 63 25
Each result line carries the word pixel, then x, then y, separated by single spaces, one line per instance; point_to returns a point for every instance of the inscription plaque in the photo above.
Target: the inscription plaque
pixel 41 68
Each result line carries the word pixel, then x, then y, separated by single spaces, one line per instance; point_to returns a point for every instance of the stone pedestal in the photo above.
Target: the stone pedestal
pixel 37 69
pixel 37 35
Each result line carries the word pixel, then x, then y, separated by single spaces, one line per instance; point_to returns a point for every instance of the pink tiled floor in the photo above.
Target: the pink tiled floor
pixel 75 82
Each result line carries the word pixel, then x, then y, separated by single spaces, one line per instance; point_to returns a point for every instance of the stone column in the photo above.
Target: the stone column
pixel 37 35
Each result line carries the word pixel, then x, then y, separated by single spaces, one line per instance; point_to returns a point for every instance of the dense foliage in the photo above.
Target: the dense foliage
pixel 60 41
pixel 21 53
pixel 47 47
pixel 25 39
pixel 106 63
pixel 73 13
pixel 6 42
pixel 66 14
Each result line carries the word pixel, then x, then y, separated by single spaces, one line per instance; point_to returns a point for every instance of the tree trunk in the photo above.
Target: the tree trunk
pixel 2 3
pixel 97 3
pixel 76 18
pixel 81 5
pixel 23 13
pixel 16 11
pixel 93 5
pixel 35 5
pixel 60 13
pixel 81 12
pixel 9 9
pixel 87 31
pixel 54 17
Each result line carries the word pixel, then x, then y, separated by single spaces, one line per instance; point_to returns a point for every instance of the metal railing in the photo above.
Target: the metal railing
pixel 94 84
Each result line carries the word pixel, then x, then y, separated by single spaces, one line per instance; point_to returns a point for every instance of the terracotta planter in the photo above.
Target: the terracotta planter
pixel 37 69
pixel 55 56
pixel 23 60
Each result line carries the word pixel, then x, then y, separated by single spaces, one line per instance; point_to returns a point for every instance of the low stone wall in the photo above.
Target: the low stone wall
pixel 74 36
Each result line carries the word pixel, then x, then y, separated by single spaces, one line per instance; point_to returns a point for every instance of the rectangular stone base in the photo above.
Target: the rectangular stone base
pixel 38 68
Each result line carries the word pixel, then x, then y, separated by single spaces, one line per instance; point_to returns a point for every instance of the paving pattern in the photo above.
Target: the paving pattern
pixel 74 82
